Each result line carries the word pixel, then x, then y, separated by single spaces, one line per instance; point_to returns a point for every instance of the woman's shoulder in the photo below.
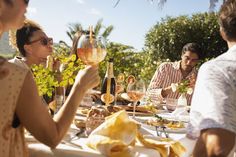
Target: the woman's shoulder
pixel 9 69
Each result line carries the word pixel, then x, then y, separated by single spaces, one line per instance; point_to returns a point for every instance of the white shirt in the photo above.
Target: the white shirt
pixel 214 98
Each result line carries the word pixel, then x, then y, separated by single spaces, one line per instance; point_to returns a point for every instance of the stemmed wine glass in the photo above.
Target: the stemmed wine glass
pixel 136 90
pixel 91 49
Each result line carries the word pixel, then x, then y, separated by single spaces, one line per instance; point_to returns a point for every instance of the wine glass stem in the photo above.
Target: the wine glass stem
pixel 134 108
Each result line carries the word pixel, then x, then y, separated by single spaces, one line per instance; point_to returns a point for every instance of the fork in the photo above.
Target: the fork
pixel 159 133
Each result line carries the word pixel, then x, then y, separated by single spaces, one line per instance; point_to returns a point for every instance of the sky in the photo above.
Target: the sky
pixel 131 19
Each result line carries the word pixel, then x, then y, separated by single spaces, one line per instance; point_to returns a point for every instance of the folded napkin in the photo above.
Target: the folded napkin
pixel 175 147
pixel 180 110
pixel 117 135
pixel 114 136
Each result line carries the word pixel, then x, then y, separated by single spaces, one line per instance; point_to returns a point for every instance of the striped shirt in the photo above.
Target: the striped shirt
pixel 167 73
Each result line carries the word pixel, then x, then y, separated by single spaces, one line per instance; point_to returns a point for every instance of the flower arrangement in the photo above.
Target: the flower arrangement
pixel 183 87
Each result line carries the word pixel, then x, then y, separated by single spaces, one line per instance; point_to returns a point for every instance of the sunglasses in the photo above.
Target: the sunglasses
pixel 26 2
pixel 43 41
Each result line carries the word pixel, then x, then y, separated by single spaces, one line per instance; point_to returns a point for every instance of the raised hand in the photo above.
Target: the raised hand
pixel 88 77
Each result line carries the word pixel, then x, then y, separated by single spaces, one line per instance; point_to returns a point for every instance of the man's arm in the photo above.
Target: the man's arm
pixel 215 142
pixel 155 87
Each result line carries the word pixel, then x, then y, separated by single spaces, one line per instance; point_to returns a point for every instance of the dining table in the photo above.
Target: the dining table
pixel 74 142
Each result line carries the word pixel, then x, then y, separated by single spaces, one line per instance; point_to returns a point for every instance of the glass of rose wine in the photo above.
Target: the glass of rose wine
pixel 136 90
pixel 91 49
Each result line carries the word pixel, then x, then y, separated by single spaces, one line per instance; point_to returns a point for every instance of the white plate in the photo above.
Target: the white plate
pixel 169 130
pixel 169 116
pixel 143 120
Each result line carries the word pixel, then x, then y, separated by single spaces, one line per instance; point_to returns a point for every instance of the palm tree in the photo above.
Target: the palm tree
pixel 73 28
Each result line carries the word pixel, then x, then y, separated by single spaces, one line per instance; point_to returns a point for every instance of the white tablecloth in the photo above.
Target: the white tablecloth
pixel 37 149
pixel 65 150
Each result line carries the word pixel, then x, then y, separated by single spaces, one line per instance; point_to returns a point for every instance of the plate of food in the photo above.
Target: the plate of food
pixel 159 123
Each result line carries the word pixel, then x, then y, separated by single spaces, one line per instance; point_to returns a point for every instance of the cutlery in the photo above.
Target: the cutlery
pixel 71 144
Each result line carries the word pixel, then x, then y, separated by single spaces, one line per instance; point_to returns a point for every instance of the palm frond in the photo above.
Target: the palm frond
pixel 98 27
pixel 117 2
pixel 107 31
pixel 161 3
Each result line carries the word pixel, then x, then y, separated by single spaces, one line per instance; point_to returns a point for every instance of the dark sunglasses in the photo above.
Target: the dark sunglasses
pixel 43 41
pixel 26 2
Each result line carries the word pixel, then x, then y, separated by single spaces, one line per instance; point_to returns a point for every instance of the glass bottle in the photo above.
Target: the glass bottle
pixel 108 85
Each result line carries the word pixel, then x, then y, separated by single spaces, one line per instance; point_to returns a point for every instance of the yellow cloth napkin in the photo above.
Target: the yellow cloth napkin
pixel 176 149
pixel 114 137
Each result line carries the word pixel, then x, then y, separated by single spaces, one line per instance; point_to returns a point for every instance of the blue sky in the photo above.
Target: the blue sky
pixel 131 19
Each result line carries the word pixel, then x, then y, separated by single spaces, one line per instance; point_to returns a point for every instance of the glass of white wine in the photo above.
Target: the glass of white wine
pixel 136 90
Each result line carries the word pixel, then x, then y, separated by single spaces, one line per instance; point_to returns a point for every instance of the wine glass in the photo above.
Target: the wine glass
pixel 136 90
pixel 91 49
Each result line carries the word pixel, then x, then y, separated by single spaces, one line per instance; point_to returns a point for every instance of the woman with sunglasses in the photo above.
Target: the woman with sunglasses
pixel 33 45
pixel 19 96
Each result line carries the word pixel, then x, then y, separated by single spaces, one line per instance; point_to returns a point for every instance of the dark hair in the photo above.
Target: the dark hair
pixel 194 48
pixel 227 19
pixel 24 34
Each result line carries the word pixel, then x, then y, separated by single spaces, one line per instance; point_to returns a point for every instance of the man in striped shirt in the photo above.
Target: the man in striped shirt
pixel 174 72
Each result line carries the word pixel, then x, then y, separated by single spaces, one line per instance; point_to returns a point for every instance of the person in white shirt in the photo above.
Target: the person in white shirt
pixel 213 110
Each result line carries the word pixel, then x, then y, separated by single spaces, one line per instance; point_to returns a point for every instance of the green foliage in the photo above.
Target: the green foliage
pixel 166 39
pixel 128 62
pixel 183 86
pixel 70 66
pixel 46 78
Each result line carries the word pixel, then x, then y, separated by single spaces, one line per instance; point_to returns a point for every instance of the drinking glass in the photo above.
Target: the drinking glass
pixel 136 90
pixel 91 50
